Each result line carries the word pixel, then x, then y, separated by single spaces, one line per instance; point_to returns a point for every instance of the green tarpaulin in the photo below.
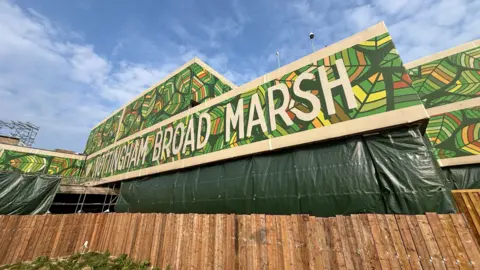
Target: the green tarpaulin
pixel 464 177
pixel 390 172
pixel 22 195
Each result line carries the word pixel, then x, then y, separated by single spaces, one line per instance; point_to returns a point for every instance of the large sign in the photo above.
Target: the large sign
pixel 448 84
pixel 354 86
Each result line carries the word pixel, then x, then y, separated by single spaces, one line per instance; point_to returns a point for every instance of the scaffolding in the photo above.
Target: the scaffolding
pixel 26 132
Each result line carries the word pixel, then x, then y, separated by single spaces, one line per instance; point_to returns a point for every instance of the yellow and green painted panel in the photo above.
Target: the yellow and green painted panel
pixel 451 79
pixel 25 162
pixel 455 134
pixel 170 98
pixel 104 134
pixel 447 80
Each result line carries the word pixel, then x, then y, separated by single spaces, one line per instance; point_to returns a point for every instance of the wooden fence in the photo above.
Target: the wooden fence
pixel 193 241
pixel 468 203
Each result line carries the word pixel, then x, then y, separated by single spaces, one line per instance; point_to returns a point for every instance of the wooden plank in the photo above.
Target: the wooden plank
pixel 294 232
pixel 62 228
pixel 471 212
pixel 185 252
pixel 211 242
pixel 453 238
pixel 102 237
pixel 220 242
pixel 462 208
pixel 422 250
pixel 399 249
pixel 471 247
pixel 432 247
pixel 230 247
pixel 90 229
pixel 286 243
pixel 52 233
pixel 126 234
pixel 205 259
pixel 371 254
pixel 132 234
pixel 337 244
pixel 156 241
pixel 313 247
pixel 280 243
pixel 353 243
pixel 68 234
pixel 110 235
pixel 117 230
pixel 146 252
pixel 7 236
pixel 168 243
pixel 442 241
pixel 392 255
pixel 10 252
pixel 196 241
pixel 305 248
pixel 82 231
pixel 252 254
pixel 13 247
pixel 409 244
pixel 95 232
pixel 475 198
pixel 139 237
pixel 78 219
pixel 34 239
pixel 465 190
pixel 271 241
pixel 177 245
pixel 344 238
pixel 30 230
pixel 358 232
pixel 289 237
pixel 379 240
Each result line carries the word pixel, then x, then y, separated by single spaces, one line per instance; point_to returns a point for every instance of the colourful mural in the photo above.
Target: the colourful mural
pixel 379 83
pixel 14 161
pixel 444 81
pixel 455 134
pixel 449 79
pixel 104 134
pixel 170 98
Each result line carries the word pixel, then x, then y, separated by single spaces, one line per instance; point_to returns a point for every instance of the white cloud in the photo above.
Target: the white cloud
pixel 62 86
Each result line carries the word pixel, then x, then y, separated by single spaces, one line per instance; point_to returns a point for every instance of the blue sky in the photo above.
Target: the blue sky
pixel 65 65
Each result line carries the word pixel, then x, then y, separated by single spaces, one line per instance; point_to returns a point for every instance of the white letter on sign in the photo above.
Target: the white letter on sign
pixel 255 107
pixel 234 119
pixel 306 95
pixel 157 148
pixel 343 81
pixel 280 110
pixel 208 121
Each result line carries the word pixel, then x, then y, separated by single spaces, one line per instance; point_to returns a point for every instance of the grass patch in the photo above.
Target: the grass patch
pixel 89 260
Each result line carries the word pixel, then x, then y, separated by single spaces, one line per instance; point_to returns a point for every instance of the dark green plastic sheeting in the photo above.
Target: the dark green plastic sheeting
pixel 22 195
pixel 464 177
pixel 391 172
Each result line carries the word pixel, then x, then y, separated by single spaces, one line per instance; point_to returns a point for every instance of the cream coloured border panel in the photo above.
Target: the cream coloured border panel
pixel 442 54
pixel 474 102
pixel 474 159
